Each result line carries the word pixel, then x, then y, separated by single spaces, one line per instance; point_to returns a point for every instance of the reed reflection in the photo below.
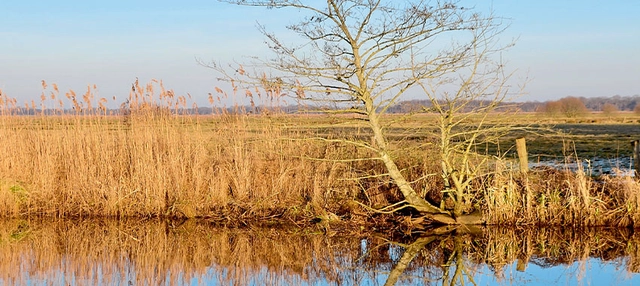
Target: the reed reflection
pixel 457 255
pixel 107 252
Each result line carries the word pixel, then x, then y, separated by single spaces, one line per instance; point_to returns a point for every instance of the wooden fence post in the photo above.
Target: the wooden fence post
pixel 635 145
pixel 521 147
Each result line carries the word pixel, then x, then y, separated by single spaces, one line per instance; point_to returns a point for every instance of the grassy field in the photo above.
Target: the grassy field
pixel 593 135
pixel 300 168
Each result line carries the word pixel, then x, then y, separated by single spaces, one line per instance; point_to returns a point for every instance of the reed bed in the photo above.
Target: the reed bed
pixel 97 167
pixel 550 196
pixel 152 159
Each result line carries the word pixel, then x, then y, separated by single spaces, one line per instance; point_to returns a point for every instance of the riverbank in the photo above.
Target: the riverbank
pixel 258 168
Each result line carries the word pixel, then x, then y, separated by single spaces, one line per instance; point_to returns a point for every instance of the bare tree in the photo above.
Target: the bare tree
pixel 365 55
pixel 572 106
pixel 552 108
pixel 464 122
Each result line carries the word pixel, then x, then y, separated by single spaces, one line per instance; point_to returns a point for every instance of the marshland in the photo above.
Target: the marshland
pixel 379 143
pixel 148 160
pixel 148 183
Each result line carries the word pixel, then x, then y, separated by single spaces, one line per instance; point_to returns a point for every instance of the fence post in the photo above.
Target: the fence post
pixel 635 145
pixel 521 147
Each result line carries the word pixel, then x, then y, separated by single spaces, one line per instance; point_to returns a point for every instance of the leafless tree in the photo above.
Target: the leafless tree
pixel 572 106
pixel 365 55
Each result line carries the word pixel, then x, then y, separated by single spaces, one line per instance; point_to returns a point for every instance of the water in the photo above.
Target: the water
pixel 594 166
pixel 107 252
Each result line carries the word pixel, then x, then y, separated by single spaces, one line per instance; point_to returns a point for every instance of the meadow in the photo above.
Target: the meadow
pixel 274 168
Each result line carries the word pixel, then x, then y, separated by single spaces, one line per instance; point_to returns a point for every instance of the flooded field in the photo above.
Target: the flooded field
pixel 109 252
pixel 595 166
pixel 596 149
pixel 604 142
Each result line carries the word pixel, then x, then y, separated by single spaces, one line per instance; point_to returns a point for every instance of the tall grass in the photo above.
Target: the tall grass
pixel 72 156
pixel 548 196
pixel 150 161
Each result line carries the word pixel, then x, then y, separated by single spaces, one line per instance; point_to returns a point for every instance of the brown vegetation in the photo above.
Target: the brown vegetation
pixel 568 106
pixel 151 162
pixel 609 109
pixel 552 108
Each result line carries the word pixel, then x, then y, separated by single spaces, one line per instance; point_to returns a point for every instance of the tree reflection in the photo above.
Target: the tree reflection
pixel 157 252
pixel 453 255
pixel 454 270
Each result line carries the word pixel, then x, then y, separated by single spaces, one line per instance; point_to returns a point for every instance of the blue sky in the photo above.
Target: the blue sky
pixel 580 48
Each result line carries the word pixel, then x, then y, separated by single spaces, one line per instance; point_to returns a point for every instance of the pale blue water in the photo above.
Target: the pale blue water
pixel 165 253
pixel 590 272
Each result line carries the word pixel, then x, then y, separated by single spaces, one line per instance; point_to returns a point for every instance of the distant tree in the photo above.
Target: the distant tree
pixel 572 106
pixel 636 109
pixel 552 108
pixel 609 109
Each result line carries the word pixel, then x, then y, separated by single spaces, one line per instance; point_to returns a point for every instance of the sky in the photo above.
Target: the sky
pixel 564 48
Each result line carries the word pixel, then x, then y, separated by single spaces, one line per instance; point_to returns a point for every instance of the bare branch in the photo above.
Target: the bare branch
pixel 364 56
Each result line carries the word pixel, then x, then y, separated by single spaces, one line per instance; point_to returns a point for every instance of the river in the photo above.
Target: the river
pixel 191 252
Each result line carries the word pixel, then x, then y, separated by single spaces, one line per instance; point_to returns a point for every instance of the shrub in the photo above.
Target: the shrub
pixel 572 106
pixel 609 109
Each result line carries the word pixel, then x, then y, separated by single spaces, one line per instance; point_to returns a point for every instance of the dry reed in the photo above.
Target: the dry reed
pixel 152 158
pixel 151 161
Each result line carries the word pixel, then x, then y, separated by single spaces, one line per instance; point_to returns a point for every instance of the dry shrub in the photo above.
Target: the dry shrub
pixel 624 194
pixel 502 196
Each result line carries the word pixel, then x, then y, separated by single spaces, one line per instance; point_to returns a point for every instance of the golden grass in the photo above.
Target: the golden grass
pixel 547 196
pixel 104 167
pixel 150 161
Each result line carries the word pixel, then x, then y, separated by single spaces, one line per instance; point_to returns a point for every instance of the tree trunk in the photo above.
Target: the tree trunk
pixel 407 191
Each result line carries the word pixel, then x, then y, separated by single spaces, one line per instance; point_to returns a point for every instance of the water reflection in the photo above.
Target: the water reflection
pixel 105 252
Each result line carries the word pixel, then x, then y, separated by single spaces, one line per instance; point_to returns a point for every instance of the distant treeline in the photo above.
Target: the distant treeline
pixel 622 103
pixel 157 110
pixel 613 103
